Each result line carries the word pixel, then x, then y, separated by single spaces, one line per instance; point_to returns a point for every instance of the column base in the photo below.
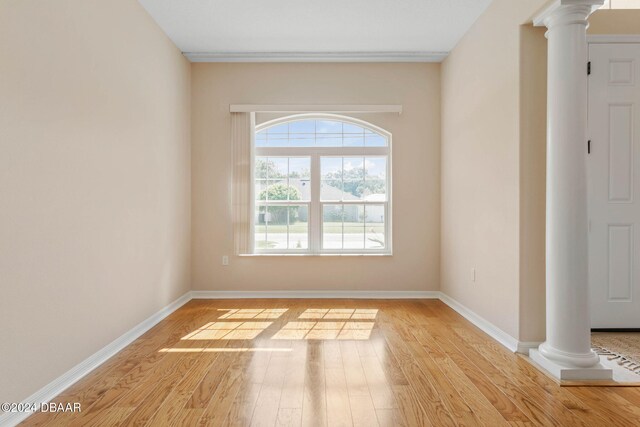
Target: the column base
pixel 571 373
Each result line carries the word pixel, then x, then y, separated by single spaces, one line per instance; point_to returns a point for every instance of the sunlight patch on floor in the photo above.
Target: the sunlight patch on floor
pixel 223 350
pixel 312 324
pixel 325 331
pixel 228 331
pixel 253 313
pixel 338 313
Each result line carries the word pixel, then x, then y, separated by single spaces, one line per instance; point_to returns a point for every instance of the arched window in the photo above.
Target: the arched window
pixel 321 186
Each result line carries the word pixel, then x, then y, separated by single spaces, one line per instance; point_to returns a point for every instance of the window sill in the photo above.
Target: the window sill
pixel 316 255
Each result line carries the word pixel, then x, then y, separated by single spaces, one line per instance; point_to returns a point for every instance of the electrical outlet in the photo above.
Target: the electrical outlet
pixel 225 260
pixel 473 274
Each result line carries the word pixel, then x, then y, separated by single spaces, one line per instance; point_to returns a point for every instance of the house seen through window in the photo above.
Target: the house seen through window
pixel 321 186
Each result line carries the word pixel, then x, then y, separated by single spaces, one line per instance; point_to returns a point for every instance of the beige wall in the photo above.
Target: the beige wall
pixel 532 163
pixel 480 165
pixel 416 176
pixel 615 22
pixel 94 181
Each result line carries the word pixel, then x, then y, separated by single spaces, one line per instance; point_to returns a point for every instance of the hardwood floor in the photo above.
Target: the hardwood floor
pixel 329 363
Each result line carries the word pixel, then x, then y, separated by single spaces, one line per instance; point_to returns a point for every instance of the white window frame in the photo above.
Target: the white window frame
pixel 316 204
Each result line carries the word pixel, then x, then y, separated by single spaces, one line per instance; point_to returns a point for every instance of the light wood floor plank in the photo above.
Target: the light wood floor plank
pixel 268 402
pixel 314 402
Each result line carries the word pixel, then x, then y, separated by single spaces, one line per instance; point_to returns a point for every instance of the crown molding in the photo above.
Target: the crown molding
pixel 315 56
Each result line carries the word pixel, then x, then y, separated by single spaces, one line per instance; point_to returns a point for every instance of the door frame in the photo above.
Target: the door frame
pixel 613 39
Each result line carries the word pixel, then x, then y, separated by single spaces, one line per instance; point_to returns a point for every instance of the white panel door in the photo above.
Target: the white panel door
pixel 614 185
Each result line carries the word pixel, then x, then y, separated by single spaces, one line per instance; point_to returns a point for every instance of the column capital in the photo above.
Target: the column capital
pixel 565 12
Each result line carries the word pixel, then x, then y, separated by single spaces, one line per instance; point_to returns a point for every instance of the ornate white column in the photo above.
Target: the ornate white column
pixel 567 351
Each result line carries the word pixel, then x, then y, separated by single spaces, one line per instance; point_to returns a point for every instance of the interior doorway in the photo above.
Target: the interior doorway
pixel 613 180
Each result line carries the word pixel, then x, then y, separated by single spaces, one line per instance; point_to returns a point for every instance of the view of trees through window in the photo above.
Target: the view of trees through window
pixel 350 197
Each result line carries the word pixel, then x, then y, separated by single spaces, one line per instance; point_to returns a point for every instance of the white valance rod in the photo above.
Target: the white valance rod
pixel 258 108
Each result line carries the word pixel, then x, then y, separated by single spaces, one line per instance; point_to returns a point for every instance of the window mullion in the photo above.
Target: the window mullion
pixel 288 208
pixel 364 226
pixel 315 214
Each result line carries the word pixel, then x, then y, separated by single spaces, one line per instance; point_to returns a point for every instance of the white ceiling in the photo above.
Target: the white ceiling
pixel 238 27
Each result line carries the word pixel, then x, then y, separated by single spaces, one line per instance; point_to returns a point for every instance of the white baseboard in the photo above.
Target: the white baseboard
pixel 316 294
pixel 525 346
pixel 60 384
pixel 487 327
pixel 51 390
